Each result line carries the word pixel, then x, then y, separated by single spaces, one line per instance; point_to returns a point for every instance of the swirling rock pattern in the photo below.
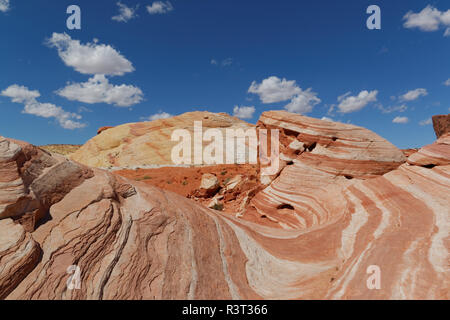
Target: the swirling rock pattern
pixel 32 180
pixel 134 241
pixel 434 154
pixel 309 191
pixel 19 254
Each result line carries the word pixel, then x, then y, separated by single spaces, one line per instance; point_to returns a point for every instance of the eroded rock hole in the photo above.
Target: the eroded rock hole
pixel 285 206
pixel 291 133
pixel 312 146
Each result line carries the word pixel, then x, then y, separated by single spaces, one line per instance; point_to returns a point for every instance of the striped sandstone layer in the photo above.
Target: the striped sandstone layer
pixel 135 241
pixel 309 191
pixel 19 254
pixel 434 154
pixel 148 143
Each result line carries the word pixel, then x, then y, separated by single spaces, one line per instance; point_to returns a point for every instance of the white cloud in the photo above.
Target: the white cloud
pixel 327 119
pixel 157 116
pixel 429 19
pixel 84 109
pixel 426 122
pixel 413 94
pixel 4 5
pixel 227 62
pixel 244 112
pixel 159 7
pixel 447 83
pixel 125 13
pixel 90 58
pixel 21 94
pixel 400 120
pixel 355 103
pixel 98 90
pixel 304 102
pixel 224 63
pixel 274 89
pixel 401 108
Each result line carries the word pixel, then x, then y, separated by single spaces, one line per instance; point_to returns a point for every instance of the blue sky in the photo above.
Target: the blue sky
pixel 160 58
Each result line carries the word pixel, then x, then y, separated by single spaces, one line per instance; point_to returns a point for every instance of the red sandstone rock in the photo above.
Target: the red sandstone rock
pixel 31 181
pixel 103 129
pixel 310 190
pixel 134 241
pixel 435 154
pixel 441 124
pixel 19 254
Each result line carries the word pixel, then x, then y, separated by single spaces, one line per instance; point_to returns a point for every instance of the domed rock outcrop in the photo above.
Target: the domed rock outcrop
pixel 148 143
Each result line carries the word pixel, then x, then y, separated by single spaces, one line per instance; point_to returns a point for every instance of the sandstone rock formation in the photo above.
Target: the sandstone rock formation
pixel 32 180
pixel 345 202
pixel 432 155
pixel 441 124
pixel 100 130
pixel 62 149
pixel 19 254
pixel 147 143
pixel 209 184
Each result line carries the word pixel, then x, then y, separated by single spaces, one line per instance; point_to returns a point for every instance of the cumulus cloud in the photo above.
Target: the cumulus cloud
pixel 350 103
pixel 401 120
pixel 98 90
pixel 21 94
pixel 327 119
pixel 414 94
pixel 159 7
pixel 244 112
pixel 125 13
pixel 157 116
pixel 447 83
pixel 90 58
pixel 4 5
pixel 303 102
pixel 274 89
pixel 429 19
pixel 426 122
